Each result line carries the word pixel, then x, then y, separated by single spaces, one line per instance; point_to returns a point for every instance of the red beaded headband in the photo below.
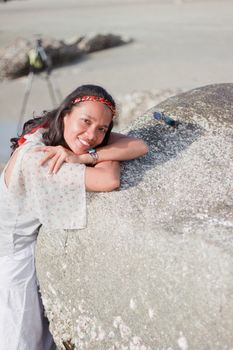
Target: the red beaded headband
pixel 96 98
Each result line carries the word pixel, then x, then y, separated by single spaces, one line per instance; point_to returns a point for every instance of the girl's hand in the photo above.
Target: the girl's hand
pixel 57 155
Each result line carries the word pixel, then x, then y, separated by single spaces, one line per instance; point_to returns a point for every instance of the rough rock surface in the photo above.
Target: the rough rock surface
pixel 14 60
pixel 153 269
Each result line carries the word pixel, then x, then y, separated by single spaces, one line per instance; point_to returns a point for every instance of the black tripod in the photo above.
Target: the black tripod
pixel 39 62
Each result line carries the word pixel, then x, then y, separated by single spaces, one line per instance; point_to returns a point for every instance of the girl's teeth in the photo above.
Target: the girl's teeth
pixel 84 142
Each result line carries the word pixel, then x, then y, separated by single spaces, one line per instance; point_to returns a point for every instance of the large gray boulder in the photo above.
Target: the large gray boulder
pixel 153 269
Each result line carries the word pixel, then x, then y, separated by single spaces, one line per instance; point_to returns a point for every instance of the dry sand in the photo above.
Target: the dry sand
pixel 178 45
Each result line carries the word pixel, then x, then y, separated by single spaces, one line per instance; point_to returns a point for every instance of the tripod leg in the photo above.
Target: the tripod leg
pixel 57 89
pixel 25 100
pixel 51 90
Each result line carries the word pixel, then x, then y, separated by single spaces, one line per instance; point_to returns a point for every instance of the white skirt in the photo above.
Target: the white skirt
pixel 22 322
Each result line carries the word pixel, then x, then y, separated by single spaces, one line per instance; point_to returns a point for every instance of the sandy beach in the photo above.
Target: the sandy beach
pixel 177 45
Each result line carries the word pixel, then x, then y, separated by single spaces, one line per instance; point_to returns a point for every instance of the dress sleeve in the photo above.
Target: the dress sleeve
pixel 58 200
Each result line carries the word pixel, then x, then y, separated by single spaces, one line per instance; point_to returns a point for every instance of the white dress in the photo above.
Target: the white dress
pixel 32 199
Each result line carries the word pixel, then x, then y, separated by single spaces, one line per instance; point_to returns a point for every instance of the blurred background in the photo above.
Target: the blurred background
pixel 177 45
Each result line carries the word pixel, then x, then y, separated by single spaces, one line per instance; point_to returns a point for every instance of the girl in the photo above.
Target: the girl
pixel 37 189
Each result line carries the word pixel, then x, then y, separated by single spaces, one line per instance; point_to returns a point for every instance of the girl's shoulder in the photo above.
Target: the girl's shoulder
pixel 22 155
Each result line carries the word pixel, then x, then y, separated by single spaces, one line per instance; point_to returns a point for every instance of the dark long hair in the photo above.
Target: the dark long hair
pixel 53 120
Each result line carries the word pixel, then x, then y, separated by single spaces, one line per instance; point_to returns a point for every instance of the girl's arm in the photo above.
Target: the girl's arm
pixel 119 148
pixel 104 177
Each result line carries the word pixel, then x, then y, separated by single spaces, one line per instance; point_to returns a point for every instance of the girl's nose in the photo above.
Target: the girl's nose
pixel 91 134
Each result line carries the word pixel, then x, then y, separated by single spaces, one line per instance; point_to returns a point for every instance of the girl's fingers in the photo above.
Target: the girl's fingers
pixel 52 163
pixel 46 158
pixel 58 164
pixel 55 155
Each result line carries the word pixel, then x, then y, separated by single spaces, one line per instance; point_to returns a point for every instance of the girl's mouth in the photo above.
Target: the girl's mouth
pixel 85 143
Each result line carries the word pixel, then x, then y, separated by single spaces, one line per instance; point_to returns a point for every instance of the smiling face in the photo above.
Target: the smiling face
pixel 86 125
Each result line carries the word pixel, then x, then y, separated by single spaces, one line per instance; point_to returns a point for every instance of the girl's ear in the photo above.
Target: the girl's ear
pixel 65 120
pixel 66 117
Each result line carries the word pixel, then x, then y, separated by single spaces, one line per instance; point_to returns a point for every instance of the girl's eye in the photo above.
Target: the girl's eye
pixel 103 130
pixel 86 121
